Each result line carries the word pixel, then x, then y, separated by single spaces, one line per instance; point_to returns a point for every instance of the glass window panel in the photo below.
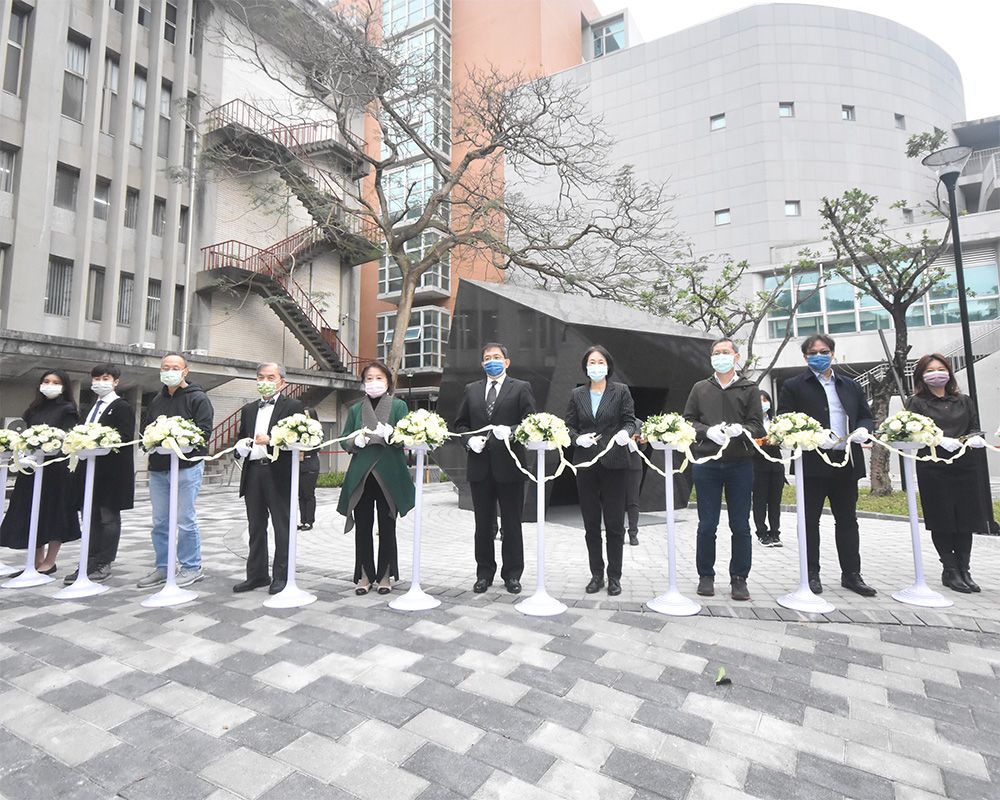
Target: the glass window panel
pixel 807 278
pixel 102 198
pixel 980 310
pixel 945 287
pixel 841 323
pixel 811 304
pixel 776 328
pixel 916 317
pixel 67 180
pixel 126 285
pixel 840 297
pixel 874 320
pixel 95 294
pixel 807 325
pixel 7 157
pixel 981 280
pixel 717 122
pixel 59 287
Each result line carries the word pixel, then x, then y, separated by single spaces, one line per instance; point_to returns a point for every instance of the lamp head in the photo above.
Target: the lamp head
pixel 949 161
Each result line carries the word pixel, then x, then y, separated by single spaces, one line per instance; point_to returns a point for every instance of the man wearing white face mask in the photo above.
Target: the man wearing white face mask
pixel 178 398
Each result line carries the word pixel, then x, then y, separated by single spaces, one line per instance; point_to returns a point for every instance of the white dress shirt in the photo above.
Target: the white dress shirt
pixel 101 406
pixel 262 426
pixel 838 417
pixel 497 380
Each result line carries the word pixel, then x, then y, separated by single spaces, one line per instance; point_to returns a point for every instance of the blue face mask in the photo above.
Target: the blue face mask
pixel 494 368
pixel 597 372
pixel 819 362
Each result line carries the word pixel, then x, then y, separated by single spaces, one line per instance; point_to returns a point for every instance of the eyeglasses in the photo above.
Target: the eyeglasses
pixel 819 353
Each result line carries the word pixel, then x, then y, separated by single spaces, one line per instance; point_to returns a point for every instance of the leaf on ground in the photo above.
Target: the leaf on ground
pixel 721 679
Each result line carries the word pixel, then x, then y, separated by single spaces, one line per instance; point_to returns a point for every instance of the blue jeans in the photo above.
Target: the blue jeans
pixel 188 536
pixel 710 480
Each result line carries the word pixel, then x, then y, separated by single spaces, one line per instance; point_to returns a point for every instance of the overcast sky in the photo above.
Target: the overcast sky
pixel 966 29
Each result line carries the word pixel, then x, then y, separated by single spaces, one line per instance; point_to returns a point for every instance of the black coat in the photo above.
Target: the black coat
pixel 616 412
pixel 805 394
pixel 515 401
pixel 114 474
pixel 708 404
pixel 283 407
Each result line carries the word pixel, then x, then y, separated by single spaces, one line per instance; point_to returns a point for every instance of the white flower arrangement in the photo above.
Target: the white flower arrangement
pixel 42 438
pixel 542 427
pixel 421 427
pixel 796 431
pixel 9 441
pixel 90 436
pixel 670 429
pixel 172 432
pixel 300 430
pixel 906 426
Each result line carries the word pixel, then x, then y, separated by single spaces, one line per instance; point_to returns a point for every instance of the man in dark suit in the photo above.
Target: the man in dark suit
pixel 265 485
pixel 838 403
pixel 114 474
pixel 493 476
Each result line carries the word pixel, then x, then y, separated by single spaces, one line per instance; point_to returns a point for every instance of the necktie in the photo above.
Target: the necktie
pixel 491 398
pixel 262 403
pixel 95 412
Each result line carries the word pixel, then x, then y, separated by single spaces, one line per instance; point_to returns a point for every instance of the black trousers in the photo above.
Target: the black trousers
pixel 842 490
pixel 266 496
pixel 602 494
pixel 307 497
pixel 633 487
pixel 105 532
pixel 372 501
pixel 509 495
pixel 958 544
pixel 768 483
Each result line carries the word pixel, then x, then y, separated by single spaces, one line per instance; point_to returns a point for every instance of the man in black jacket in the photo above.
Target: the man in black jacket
pixel 178 398
pixel 265 485
pixel 493 476
pixel 837 403
pixel 722 409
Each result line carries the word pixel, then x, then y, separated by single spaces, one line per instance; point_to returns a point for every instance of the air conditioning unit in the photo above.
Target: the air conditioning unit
pixel 200 351
pixel 143 345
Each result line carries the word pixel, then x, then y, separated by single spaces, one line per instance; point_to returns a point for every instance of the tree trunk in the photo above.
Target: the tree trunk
pixel 398 347
pixel 879 473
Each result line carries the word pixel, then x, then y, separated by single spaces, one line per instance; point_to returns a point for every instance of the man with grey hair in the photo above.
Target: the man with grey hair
pixel 265 485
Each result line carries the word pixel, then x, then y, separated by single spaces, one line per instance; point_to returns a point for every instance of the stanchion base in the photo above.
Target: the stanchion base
pixel 416 599
pixel 674 604
pixel 27 579
pixel 920 594
pixel 541 604
pixel 805 600
pixel 81 587
pixel 169 596
pixel 290 597
pixel 6 570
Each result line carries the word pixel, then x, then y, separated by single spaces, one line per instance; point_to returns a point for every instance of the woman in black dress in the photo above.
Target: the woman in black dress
pixel 308 474
pixel 57 519
pixel 768 484
pixel 949 493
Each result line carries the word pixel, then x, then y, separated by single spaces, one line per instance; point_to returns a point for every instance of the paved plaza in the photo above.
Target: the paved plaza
pixel 222 698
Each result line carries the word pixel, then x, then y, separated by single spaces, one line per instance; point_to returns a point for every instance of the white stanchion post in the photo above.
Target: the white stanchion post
pixel 919 593
pixel 416 599
pixel 292 596
pixel 171 594
pixel 31 576
pixel 83 586
pixel 803 599
pixel 673 602
pixel 5 570
pixel 541 603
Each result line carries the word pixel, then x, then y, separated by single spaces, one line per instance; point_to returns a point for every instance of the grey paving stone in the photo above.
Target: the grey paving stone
pixel 520 760
pixel 55 651
pixel 302 787
pixel 276 702
pixel 770 784
pixel 386 707
pixel 646 621
pixel 193 750
pixel 644 773
pixel 544 680
pixel 555 709
pixel 17 665
pixel 249 663
pixel 656 691
pixel 817 663
pixel 993 765
pixel 222 632
pixel 135 684
pixel 567 647
pixel 775 705
pixel 41 620
pixel 964 787
pixel 842 779
pixel 301 654
pixel 149 730
pixel 308 634
pixel 818 634
pixel 502 719
pixel 120 766
pixel 974 739
pixel 800 692
pixel 685 679
pixel 74 695
pixel 48 778
pixel 478 641
pixel 439 670
pixel 986 719
pixel 168 783
pixel 265 734
pixel 326 720
pixel 330 690
pixel 862 657
pixel 670 720
pixel 436 792
pixel 442 697
pixel 927 707
pixel 577 668
pixel 924 638
pixel 459 773
pixel 15 753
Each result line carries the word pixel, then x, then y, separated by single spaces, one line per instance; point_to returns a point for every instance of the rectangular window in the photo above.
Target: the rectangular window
pixel 153 290
pixel 169 22
pixel 438 276
pixel 723 217
pixel 145 13
pixel 900 121
pixel 179 298
pixel 409 188
pixel 609 37
pixel 117 5
pixel 14 58
pixel 717 122
pixel 159 216
pixel 138 107
pixel 847 113
pixel 426 337
pixel 59 287
pixel 908 216
pixel 182 226
pixel 7 158
pixel 67 182
pixel 74 79
pixel 102 198
pixel 95 294
pixel 793 208
pixel 131 207
pixel 786 109
pixel 109 95
pixel 126 286
pixel 398 15
pixel 163 136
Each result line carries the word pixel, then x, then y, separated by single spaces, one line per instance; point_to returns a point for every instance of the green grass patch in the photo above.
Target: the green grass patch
pixel 330 480
pixel 894 503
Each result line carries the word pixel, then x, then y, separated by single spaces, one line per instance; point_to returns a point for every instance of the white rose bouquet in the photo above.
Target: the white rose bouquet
pixel 42 438
pixel 421 427
pixel 298 429
pixel 909 427
pixel 670 429
pixel 9 442
pixel 542 427
pixel 90 436
pixel 796 431
pixel 172 432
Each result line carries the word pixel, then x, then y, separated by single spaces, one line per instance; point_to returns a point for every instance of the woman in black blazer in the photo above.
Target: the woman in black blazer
pixel 598 412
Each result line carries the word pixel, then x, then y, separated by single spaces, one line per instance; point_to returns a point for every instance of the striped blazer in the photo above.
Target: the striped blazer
pixel 616 412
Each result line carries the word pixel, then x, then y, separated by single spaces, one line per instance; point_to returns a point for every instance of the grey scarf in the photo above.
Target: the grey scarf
pixel 371 416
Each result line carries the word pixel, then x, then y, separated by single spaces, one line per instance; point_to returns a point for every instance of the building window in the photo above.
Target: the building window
pixel 427 58
pixel 59 287
pixel 131 208
pixel 182 226
pixel 723 217
pixel 426 337
pixel 67 182
pixel 74 79
pixel 95 294
pixel 609 36
pixel 109 96
pixel 900 121
pixel 179 299
pixel 847 113
pixel 7 158
pixel 430 116
pixel 793 208
pixel 169 22
pixel 407 190
pixel 126 286
pixel 145 13
pixel 907 216
pixel 398 15
pixel 102 198
pixel 390 277
pixel 153 291
pixel 117 5
pixel 159 216
pixel 786 109
pixel 14 60
pixel 138 107
pixel 163 136
pixel 717 122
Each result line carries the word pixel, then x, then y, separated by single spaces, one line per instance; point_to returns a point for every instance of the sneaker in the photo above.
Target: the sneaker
pixel 70 578
pixel 767 540
pixel 157 577
pixel 739 589
pixel 100 574
pixel 185 577
pixel 775 540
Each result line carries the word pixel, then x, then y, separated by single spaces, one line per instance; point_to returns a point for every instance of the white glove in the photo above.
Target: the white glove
pixel 632 446
pixel 717 433
pixel 501 431
pixel 831 441
pixel 586 440
pixel 243 447
pixel 622 438
pixel 735 429
pixel 384 430
pixel 859 435
pixel 477 444
pixel 360 440
pixel 949 444
pixel 976 441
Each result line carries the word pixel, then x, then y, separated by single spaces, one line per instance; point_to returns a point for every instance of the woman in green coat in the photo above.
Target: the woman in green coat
pixel 377 480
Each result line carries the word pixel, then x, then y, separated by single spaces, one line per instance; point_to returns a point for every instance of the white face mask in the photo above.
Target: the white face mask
pixel 171 377
pixel 51 390
pixel 102 388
